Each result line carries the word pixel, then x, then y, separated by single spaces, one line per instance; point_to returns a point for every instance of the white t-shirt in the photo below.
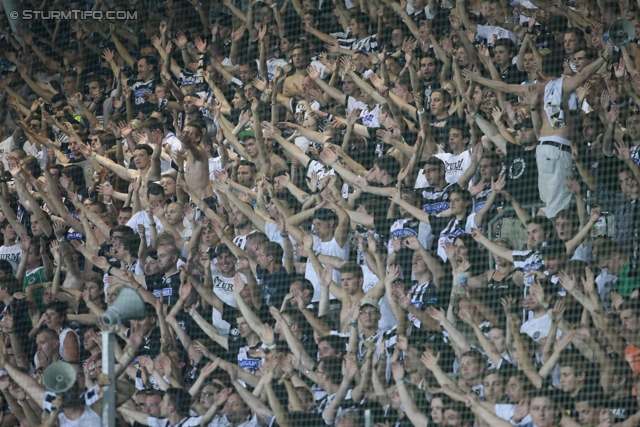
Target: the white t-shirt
pixel 455 166
pixel 215 164
pixel 506 412
pixel 175 145
pixel 538 328
pixel 13 254
pixel 272 66
pixel 223 286
pixel 241 240
pixel 330 248
pixel 142 218
pixel 6 146
pixel 164 422
pixel 487 32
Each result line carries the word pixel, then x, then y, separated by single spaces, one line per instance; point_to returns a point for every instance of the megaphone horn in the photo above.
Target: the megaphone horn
pixel 621 32
pixel 59 377
pixel 129 305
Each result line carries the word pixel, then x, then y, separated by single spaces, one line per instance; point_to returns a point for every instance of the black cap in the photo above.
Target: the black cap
pixel 324 214
pixel 553 248
pixel 434 161
pixel 222 249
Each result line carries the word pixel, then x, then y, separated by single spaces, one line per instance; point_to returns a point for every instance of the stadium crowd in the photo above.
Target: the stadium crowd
pixel 339 212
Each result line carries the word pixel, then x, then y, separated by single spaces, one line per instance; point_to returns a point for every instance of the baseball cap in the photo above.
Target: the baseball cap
pixel 324 214
pixel 246 134
pixel 222 249
pixel 553 248
pixel 369 301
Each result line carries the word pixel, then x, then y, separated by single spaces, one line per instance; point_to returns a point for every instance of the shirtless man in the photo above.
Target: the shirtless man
pixel 293 83
pixel 196 167
pixel 350 293
pixel 146 159
pixel 553 153
pixel 250 144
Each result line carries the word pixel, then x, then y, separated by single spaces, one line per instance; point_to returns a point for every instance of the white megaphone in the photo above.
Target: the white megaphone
pixel 622 32
pixel 59 377
pixel 129 305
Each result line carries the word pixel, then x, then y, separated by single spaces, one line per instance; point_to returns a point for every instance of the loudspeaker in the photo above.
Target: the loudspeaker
pixel 129 305
pixel 622 32
pixel 59 377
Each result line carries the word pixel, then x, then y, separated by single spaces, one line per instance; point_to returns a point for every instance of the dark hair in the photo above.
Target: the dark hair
pixel 332 367
pixel 76 174
pixel 99 79
pixel 180 398
pixel 337 343
pixel 547 225
pixel 59 307
pixel 154 189
pixel 389 164
pixel 305 285
pixel 315 14
pixel 150 61
pixel 446 96
pixel 552 64
pixel 569 214
pixel 464 194
pixel 131 243
pixel 466 416
pixel 362 18
pixel 273 249
pixel 153 124
pixel 32 165
pixel 352 268
pixel 107 139
pixel 593 397
pixel 124 229
pixel 591 54
pixel 5 267
pixel 476 258
pixel 9 282
pixel 575 361
pixel 144 147
pixel 251 165
pixel 507 44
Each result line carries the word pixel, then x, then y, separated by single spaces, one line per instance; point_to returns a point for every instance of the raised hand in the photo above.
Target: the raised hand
pixel 429 360
pixel 557 311
pixel 397 371
pixel 327 276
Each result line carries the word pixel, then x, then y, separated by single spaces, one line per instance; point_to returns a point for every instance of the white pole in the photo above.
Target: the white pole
pixel 108 367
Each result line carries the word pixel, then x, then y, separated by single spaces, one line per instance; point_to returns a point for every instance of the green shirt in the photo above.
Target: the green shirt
pixel 33 278
pixel 626 284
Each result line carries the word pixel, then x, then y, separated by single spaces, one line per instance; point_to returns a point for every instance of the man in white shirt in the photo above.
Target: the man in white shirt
pixel 155 198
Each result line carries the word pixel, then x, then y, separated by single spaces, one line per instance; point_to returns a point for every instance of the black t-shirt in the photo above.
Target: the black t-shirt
pixel 428 90
pixel 273 286
pixel 435 201
pixel 522 174
pixel 511 75
pixel 167 289
pixel 623 408
pixel 139 88
pixel 606 171
pixel 440 129
pixel 151 345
